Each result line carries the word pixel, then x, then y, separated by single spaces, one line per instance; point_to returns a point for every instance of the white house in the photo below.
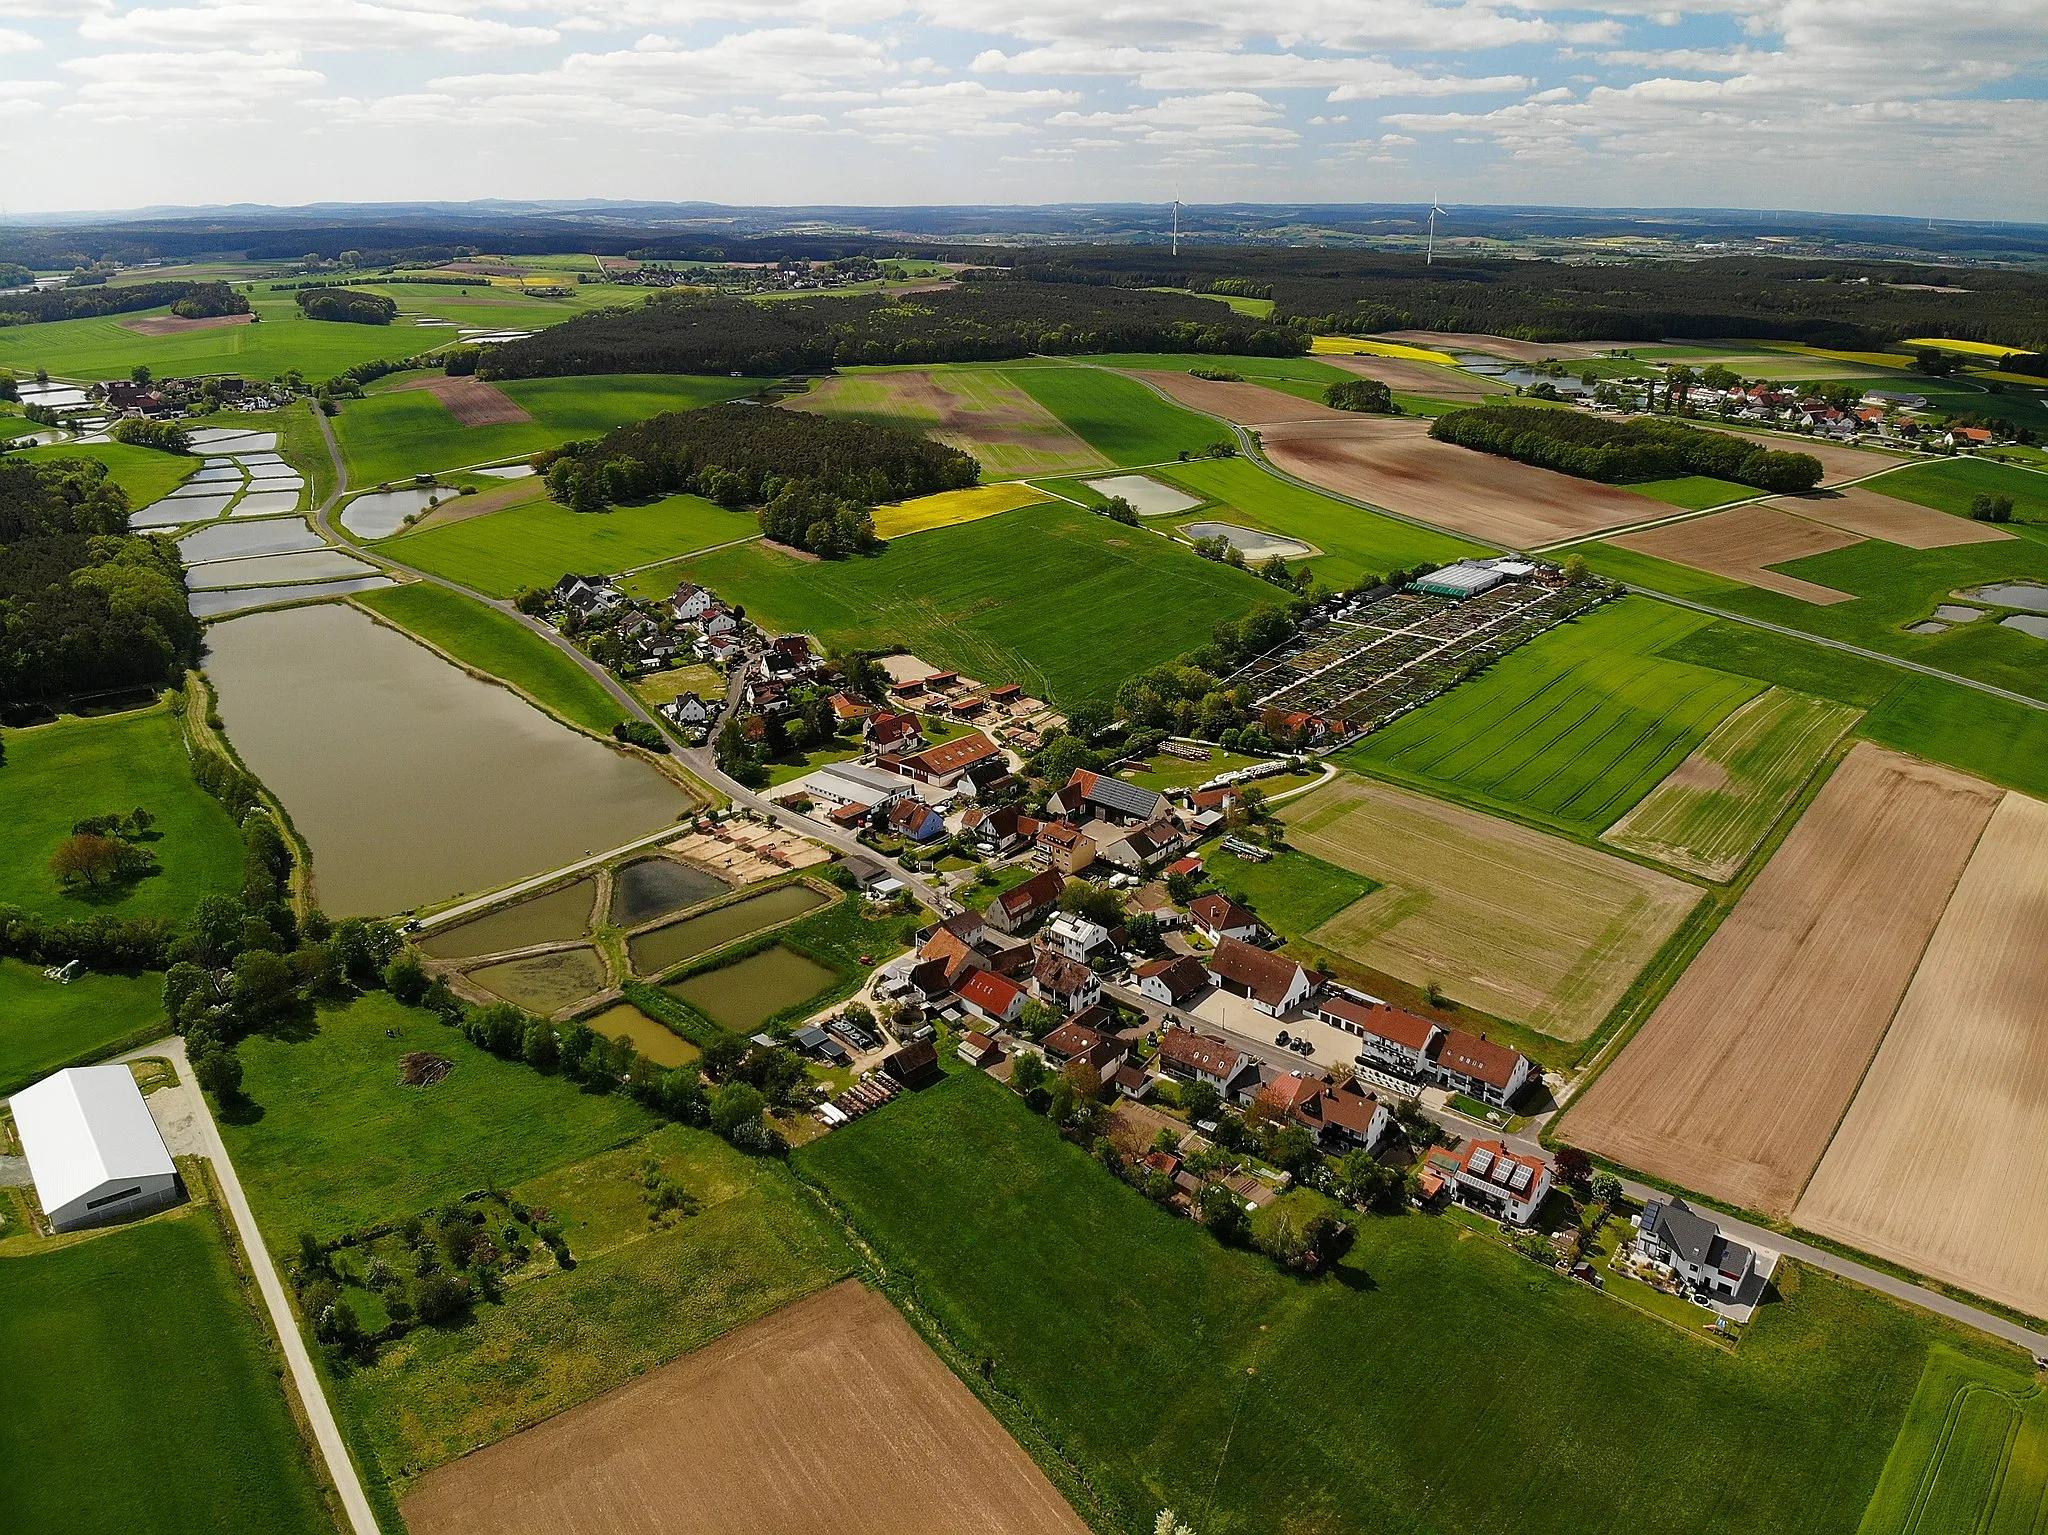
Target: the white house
pixel 1502 1183
pixel 1217 917
pixel 690 601
pixel 92 1148
pixel 1075 936
pixel 1477 1067
pixel 1387 1036
pixel 688 711
pixel 1271 982
pixel 1204 1058
pixel 1674 1236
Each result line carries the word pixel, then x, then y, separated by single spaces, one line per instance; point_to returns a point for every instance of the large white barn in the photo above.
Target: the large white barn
pixel 92 1148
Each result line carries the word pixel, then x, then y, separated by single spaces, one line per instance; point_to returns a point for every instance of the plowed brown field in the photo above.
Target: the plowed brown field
pixel 1906 523
pixel 1393 462
pixel 1942 1162
pixel 1738 1080
pixel 1742 544
pixel 177 325
pixel 472 401
pixel 1502 346
pixel 1423 378
pixel 1836 461
pixel 830 1415
pixel 1246 404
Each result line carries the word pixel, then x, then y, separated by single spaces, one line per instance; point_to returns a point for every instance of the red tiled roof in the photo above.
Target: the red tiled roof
pixel 953 756
pixel 1072 1039
pixel 1482 1059
pixel 1386 1022
pixel 1220 911
pixel 1199 1052
pixel 1293 1096
pixel 1185 866
pixel 1039 890
pixel 990 992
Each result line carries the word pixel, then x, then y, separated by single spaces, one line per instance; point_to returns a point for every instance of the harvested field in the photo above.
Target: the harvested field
pixel 1737 1082
pixel 1860 509
pixel 829 1415
pixel 1394 463
pixel 1527 927
pixel 472 401
pixel 1405 377
pixel 1504 346
pixel 1942 1161
pixel 1718 804
pixel 980 413
pixel 1246 404
pixel 173 325
pixel 1742 544
pixel 1837 462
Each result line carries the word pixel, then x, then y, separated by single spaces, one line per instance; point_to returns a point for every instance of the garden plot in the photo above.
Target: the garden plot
pixel 1735 1085
pixel 1147 496
pixel 1743 544
pixel 1939 1164
pixel 829 1415
pixel 1519 924
pixel 1717 805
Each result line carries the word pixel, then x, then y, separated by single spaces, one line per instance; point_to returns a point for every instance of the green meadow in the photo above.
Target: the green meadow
pixel 536 542
pixel 1436 1382
pixel 283 339
pixel 1972 1456
pixel 492 642
pixel 1950 485
pixel 144 473
pixel 1064 602
pixel 394 434
pixel 45 1026
pixel 1354 541
pixel 1293 893
pixel 56 775
pixel 1118 417
pixel 138 1393
pixel 1571 729
pixel 1693 492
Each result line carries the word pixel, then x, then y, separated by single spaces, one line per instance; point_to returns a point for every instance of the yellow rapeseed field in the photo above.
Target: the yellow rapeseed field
pixel 1351 346
pixel 954 506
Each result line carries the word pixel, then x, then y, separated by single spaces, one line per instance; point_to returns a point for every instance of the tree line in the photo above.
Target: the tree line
pixel 1620 452
pixel 85 605
pixel 188 301
pixel 977 322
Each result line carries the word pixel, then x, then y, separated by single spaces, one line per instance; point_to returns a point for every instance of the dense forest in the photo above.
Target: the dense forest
pixel 1825 303
pixel 348 305
pixel 1622 452
pixel 189 300
pixel 84 605
pixel 815 478
pixel 987 321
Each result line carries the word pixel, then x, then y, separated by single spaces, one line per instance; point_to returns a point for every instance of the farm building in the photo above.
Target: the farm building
pixel 1467 578
pixel 92 1148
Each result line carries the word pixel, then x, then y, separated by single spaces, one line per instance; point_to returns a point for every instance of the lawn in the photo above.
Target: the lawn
pixel 1801 665
pixel 639 1295
pixel 1438 1383
pixel 1355 542
pixel 1950 485
pixel 1694 492
pixel 1118 417
pixel 1064 602
pixel 1571 729
pixel 146 474
pixel 333 1142
pixel 139 1395
pixel 1164 773
pixel 535 542
pixel 1293 893
pixel 783 769
pixel 395 434
pixel 1991 737
pixel 1973 1454
pixel 44 1026
pixel 56 775
pixel 491 642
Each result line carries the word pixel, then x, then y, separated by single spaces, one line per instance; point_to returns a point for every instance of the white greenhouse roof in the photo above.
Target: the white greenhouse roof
pixel 85 1127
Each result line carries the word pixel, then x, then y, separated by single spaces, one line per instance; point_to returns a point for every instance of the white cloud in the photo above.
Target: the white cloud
pixel 1192 122
pixel 921 114
pixel 1194 69
pixel 310 26
pixel 12 41
pixel 214 85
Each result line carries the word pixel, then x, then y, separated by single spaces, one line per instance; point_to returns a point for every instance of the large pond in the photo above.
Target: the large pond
pixel 1148 497
pixel 383 512
pixel 740 995
pixel 654 887
pixel 412 781
pixel 656 951
pixel 2035 624
pixel 277 569
pixel 651 1039
pixel 545 983
pixel 229 540
pixel 241 599
pixel 552 918
pixel 2012 594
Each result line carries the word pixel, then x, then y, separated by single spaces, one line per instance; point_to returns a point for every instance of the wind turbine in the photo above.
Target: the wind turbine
pixel 1435 208
pixel 1176 226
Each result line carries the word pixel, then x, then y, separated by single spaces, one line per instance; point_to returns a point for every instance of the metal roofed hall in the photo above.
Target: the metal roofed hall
pixel 92 1147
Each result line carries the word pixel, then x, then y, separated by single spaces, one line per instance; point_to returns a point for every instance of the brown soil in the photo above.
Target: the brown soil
pixel 1504 346
pixel 1738 1080
pixel 830 1415
pixel 1246 404
pixel 172 325
pixel 1836 461
pixel 473 402
pixel 1742 544
pixel 423 1068
pixel 1939 1164
pixel 1423 378
pixel 1874 515
pixel 1393 462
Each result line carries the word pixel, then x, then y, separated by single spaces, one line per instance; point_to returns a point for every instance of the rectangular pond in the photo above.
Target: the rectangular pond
pixel 412 781
pixel 270 569
pixel 228 541
pixel 242 599
pixel 739 996
pixel 654 887
pixel 659 1044
pixel 552 918
pixel 1148 497
pixel 545 983
pixel 654 952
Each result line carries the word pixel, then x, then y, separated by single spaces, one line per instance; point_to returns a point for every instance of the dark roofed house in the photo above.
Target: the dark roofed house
pixel 1387 1035
pixel 1065 983
pixel 915 1064
pixel 1477 1067
pixel 1217 917
pixel 1341 1113
pixel 1175 980
pixel 916 820
pixel 1203 1058
pixel 1075 1041
pixel 1115 800
pixel 977 1049
pixel 1677 1237
pixel 1270 982
pixel 1015 910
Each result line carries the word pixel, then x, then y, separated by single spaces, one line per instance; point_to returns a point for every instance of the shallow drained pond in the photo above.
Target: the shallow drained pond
pixel 552 918
pixel 740 995
pixel 1250 542
pixel 665 946
pixel 654 887
pixel 1148 497
pixel 241 599
pixel 277 569
pixel 412 781
pixel 657 1043
pixel 545 983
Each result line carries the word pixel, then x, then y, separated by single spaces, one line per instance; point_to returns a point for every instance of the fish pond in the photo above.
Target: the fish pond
pixel 654 887
pixel 654 952
pixel 660 1045
pixel 413 782
pixel 545 983
pixel 741 995
pixel 552 918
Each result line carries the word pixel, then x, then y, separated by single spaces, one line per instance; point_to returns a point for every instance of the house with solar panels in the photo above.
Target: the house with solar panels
pixel 1673 1236
pixel 1503 1184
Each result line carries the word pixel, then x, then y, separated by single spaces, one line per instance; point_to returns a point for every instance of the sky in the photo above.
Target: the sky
pixel 1864 106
